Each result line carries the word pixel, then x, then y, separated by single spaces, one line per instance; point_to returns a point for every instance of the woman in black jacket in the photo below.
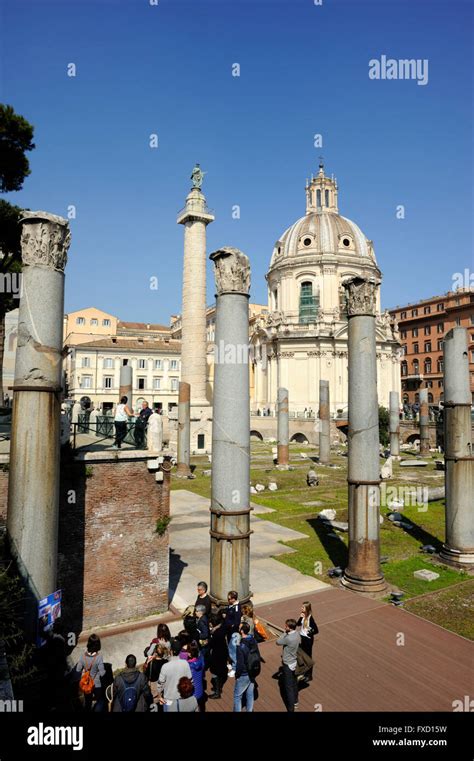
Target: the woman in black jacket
pixel 218 654
pixel 307 629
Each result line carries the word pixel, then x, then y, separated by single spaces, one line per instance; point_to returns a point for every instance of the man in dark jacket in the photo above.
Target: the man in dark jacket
pixel 244 683
pixel 233 616
pixel 130 690
pixel 202 626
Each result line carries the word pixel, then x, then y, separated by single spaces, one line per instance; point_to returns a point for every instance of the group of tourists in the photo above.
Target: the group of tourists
pixel 221 644
pixel 147 421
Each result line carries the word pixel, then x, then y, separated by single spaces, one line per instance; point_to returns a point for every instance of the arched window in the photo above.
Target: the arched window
pixel 440 365
pixel 416 367
pixel 308 303
pixel 318 199
pixel 327 197
pixel 417 398
pixel 404 368
pixel 406 398
pixel 275 299
pixel 430 398
pixel 427 366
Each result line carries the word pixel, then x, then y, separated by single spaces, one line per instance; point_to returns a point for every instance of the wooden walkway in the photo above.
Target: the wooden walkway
pixel 360 666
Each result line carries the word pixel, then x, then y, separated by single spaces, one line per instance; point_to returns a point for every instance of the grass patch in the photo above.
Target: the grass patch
pixel 450 608
pixel 400 573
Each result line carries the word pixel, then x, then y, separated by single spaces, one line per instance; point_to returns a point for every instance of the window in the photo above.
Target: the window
pixel 86 381
pixel 440 307
pixel 404 349
pixel 440 345
pixel 80 320
pixel 174 384
pixel 318 199
pixel 427 330
pixel 416 367
pixel 307 241
pixel 430 398
pixel 417 398
pixel 414 312
pixel 346 242
pixel 429 384
pixel 440 365
pixel 440 384
pixel 326 192
pixel 173 364
pixel 427 310
pixel 142 364
pixel 86 362
pixel 403 315
pixel 404 368
pixel 414 332
pixel 94 322
pixel 200 441
pixel 108 381
pixel 440 327
pixel 427 346
pixel 472 319
pixel 416 348
pixel 427 366
pixel 472 356
pixel 157 383
pixel 106 323
pixel 458 322
pixel 158 364
pixel 403 334
pixel 141 384
pixel 275 299
pixel 108 363
pixel 308 303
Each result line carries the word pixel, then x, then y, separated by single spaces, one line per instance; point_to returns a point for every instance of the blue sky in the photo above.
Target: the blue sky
pixel 167 69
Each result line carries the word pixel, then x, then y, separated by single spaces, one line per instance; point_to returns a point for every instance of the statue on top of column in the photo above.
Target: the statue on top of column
pixel 197 177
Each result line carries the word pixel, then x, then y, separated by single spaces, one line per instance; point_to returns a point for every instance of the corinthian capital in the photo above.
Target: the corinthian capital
pixel 361 296
pixel 45 239
pixel 232 271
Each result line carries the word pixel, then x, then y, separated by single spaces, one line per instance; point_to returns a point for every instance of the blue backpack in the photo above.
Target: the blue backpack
pixel 129 698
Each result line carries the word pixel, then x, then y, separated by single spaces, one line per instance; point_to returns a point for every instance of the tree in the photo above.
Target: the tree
pixel 384 417
pixel 16 138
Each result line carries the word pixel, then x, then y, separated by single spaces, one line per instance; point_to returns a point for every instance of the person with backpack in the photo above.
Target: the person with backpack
pixel 131 693
pixel 247 669
pixel 91 666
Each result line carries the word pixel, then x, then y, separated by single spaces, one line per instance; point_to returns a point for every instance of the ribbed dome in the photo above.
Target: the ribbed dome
pixel 322 232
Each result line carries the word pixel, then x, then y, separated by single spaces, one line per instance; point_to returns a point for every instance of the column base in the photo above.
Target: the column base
pixel 458 558
pixel 368 586
pixel 183 471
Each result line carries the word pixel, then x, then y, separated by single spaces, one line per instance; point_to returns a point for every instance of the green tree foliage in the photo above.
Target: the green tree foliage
pixel 16 138
pixel 384 436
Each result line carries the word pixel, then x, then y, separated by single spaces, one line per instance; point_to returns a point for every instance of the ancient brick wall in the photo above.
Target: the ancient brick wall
pixel 112 566
pixel 3 494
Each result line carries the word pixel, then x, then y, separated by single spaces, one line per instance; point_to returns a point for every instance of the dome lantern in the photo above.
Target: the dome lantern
pixel 321 193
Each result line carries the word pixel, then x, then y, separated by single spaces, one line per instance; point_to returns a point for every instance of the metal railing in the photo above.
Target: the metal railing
pixel 104 429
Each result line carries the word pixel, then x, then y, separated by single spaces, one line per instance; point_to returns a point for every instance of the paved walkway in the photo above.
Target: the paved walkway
pixel 359 664
pixel 189 562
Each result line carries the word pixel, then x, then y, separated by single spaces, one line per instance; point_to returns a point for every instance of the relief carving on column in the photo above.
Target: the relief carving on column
pixel 232 270
pixel 45 239
pixel 361 296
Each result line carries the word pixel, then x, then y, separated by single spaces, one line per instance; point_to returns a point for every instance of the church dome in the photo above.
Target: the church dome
pixel 322 230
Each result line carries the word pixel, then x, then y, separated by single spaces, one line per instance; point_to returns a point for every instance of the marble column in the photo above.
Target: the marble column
pixel 458 548
pixel 363 572
pixel 424 422
pixel 394 424
pixel 184 431
pixel 283 429
pixel 230 494
pixel 126 384
pixel 324 423
pixel 33 493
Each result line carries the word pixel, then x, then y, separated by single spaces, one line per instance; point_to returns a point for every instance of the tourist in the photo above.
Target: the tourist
pixel 185 702
pixel 218 654
pixel 172 672
pixel 290 641
pixel 185 638
pixel 153 667
pixel 91 667
pixel 140 425
pixel 163 637
pixel 307 629
pixel 233 615
pixel 196 664
pixel 122 414
pixel 245 670
pixel 202 626
pixel 130 691
pixel 247 616
pixel 203 598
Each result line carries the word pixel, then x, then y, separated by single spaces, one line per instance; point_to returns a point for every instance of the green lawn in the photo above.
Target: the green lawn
pixel 400 548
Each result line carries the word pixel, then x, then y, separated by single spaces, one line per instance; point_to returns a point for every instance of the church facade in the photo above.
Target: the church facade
pixel 303 336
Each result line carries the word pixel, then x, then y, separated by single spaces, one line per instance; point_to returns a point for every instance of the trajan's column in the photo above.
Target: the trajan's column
pixel 195 217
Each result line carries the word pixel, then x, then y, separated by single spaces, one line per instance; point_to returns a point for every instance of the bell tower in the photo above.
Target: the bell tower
pixel 321 192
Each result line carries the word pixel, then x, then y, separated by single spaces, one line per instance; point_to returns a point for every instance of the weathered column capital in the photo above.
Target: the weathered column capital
pixel 232 271
pixel 45 239
pixel 361 296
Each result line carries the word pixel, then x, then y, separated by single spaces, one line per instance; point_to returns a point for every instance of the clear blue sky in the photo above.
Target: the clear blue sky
pixel 166 69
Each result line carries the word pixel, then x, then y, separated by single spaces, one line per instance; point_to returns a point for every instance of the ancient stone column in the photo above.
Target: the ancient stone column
pixel 324 430
pixel 184 431
pixel 283 428
pixel 394 424
pixel 458 548
pixel 33 493
pixel 230 495
pixel 363 573
pixel 424 422
pixel 126 384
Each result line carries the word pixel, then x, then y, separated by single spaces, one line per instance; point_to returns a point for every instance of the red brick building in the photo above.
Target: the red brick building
pixel 423 326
